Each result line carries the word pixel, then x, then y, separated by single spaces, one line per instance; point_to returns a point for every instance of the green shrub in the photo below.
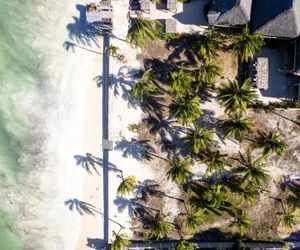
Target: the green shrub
pixel 133 127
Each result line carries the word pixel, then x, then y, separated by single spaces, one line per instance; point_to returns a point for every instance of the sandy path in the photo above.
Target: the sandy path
pixel 91 224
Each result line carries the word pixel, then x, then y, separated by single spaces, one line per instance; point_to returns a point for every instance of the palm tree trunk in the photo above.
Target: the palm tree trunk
pixel 284 117
pixel 155 155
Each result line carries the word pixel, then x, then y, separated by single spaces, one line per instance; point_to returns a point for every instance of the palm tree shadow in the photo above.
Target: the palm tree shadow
pixel 80 206
pixel 186 45
pixel 90 161
pixel 123 203
pixel 137 149
pixel 146 189
pixel 167 130
pixel 80 31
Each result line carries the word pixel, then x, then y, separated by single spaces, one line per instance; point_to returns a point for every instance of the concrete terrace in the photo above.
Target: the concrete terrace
pixel 189 17
pixel 279 83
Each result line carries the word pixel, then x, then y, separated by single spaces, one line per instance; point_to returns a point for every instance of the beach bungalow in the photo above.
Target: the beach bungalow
pixel 279 22
pixel 100 12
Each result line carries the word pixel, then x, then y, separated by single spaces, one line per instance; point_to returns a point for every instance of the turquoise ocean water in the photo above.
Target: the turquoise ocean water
pixel 18 74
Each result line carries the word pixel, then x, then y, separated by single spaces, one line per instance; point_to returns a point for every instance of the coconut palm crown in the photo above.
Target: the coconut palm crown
pixel 209 71
pixel 246 45
pixel 181 82
pixel 142 31
pixel 159 228
pixel 271 143
pixel 145 87
pixel 180 170
pixel 199 139
pixel 252 170
pixel 127 185
pixel 120 241
pixel 236 127
pixel 236 97
pixel 186 110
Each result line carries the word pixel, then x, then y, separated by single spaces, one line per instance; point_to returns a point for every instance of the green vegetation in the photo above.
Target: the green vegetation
pixel 120 241
pixel 189 136
pixel 142 31
pixel 246 45
pixel 127 186
pixel 236 97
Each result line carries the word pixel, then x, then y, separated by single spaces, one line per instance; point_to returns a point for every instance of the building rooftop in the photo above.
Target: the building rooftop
pixel 99 12
pixel 229 12
pixel 276 18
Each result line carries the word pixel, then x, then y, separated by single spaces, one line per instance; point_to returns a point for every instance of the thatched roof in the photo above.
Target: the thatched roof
pixel 276 18
pixel 229 12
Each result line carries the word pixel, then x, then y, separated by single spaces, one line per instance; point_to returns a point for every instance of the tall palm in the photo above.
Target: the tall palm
pixel 209 71
pixel 289 219
pixel 145 87
pixel 142 31
pixel 186 110
pixel 199 139
pixel 247 193
pixel 192 219
pixel 113 50
pixel 241 221
pixel 181 82
pixel 215 161
pixel 127 185
pixel 246 45
pixel 209 45
pixel 216 196
pixel 120 241
pixel 252 170
pixel 180 170
pixel 159 227
pixel 235 96
pixel 184 245
pixel 271 143
pixel 236 128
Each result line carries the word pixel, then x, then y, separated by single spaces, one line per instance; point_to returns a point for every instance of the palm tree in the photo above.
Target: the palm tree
pixel 235 96
pixel 209 71
pixel 236 128
pixel 181 82
pixel 142 31
pixel 113 50
pixel 209 45
pixel 289 219
pixel 180 170
pixel 252 169
pixel 216 196
pixel 247 193
pixel 271 143
pixel 246 45
pixel 186 110
pixel 215 161
pixel 159 227
pixel 241 221
pixel 145 87
pixel 199 139
pixel 184 245
pixel 192 219
pixel 127 185
pixel 120 241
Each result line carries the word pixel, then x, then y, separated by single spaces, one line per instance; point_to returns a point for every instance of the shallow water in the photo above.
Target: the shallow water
pixel 41 123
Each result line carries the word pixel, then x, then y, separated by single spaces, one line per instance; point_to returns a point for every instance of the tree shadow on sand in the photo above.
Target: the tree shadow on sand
pixel 80 31
pixel 80 206
pixel 137 149
pixel 90 162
